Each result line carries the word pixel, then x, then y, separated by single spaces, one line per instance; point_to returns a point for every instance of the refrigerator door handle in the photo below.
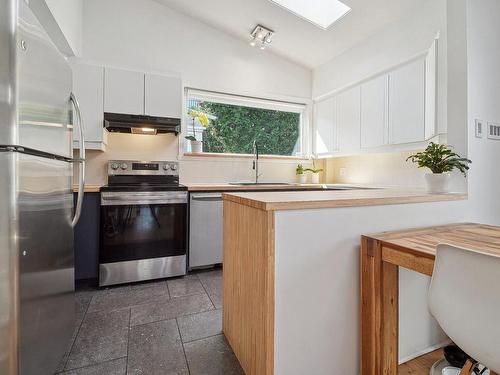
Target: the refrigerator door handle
pixel 81 160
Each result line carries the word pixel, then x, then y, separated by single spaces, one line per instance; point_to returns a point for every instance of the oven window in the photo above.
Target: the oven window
pixel 132 232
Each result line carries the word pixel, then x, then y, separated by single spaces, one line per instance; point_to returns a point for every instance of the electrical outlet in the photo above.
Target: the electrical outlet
pixel 479 129
pixel 343 172
pixel 493 131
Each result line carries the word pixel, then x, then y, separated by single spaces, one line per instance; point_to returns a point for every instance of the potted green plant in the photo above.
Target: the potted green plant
pixel 441 160
pixel 315 173
pixel 300 172
pixel 196 114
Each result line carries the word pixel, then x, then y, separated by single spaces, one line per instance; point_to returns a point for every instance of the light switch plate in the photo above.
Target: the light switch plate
pixel 479 128
pixel 493 131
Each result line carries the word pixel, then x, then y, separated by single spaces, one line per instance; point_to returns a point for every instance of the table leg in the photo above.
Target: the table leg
pixel 379 311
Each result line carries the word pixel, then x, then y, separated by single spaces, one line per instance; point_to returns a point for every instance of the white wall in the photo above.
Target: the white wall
pixel 62 20
pixel 148 36
pixel 68 14
pixel 381 169
pixel 483 39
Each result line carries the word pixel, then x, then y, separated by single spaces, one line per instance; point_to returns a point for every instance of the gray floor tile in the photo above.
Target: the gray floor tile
pixel 212 356
pixel 199 326
pixel 114 367
pixel 82 299
pixel 156 349
pixel 216 298
pixel 103 336
pixel 123 297
pixel 212 282
pixel 148 284
pixel 172 308
pixel 185 286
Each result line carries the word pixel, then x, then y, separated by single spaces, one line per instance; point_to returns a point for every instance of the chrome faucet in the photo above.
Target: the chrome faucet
pixel 256 161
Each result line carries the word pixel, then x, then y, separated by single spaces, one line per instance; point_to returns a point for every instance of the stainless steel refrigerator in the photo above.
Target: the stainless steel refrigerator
pixel 37 306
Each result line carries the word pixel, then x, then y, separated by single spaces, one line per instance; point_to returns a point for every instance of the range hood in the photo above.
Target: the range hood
pixel 139 124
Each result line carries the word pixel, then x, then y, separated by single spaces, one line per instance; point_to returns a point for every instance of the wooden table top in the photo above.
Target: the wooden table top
pixel 423 241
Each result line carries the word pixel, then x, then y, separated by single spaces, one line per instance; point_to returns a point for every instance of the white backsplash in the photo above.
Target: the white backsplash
pixel 192 169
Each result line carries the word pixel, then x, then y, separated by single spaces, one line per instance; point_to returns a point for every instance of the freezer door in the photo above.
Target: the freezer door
pixel 44 87
pixel 46 262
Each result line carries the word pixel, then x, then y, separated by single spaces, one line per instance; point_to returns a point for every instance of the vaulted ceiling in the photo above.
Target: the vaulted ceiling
pixel 295 38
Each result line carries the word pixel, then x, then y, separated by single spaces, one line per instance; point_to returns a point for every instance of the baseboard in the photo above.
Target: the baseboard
pixel 425 351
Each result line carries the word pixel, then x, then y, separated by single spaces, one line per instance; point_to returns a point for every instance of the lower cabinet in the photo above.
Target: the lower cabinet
pixel 205 229
pixel 86 238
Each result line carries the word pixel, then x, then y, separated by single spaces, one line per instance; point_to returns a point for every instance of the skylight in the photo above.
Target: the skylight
pixel 322 13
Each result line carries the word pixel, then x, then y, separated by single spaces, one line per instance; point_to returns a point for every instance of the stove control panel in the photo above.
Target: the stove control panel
pixel 144 168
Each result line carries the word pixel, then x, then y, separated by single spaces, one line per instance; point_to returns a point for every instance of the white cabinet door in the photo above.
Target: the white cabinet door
pixel 88 87
pixel 374 114
pixel 326 127
pixel 348 120
pixel 163 96
pixel 123 91
pixel 406 103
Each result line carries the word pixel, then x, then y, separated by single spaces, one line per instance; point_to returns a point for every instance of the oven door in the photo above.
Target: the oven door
pixel 143 236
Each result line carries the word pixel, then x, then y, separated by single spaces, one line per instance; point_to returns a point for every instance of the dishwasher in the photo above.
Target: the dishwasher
pixel 205 229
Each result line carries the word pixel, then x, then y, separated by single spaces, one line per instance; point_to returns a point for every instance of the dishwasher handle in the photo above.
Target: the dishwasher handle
pixel 207 197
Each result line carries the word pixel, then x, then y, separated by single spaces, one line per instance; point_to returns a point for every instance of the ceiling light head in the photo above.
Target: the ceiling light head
pixel 261 35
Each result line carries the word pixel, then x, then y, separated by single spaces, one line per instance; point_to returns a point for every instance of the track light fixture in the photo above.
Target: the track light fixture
pixel 261 36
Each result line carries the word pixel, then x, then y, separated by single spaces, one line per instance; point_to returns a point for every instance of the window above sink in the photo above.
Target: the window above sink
pixel 234 122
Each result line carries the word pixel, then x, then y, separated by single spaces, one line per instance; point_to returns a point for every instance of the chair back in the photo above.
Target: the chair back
pixel 464 297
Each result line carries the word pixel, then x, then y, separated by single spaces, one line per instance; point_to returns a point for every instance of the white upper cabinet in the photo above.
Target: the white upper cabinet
pixel 163 96
pixel 348 120
pixel 374 112
pixel 88 87
pixel 123 91
pixel 406 103
pixel 326 127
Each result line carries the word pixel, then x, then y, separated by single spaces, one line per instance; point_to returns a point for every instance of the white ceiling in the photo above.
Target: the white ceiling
pixel 295 38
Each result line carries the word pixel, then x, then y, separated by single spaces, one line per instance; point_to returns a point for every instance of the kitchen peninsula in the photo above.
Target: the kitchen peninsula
pixel 291 293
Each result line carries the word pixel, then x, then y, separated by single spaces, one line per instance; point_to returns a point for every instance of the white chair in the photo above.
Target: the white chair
pixel 464 297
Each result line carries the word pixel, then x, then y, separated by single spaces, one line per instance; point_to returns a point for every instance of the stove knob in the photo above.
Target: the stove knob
pixel 114 166
pixel 173 167
pixel 124 166
pixel 166 167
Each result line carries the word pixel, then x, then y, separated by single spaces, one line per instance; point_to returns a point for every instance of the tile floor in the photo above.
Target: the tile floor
pixel 163 327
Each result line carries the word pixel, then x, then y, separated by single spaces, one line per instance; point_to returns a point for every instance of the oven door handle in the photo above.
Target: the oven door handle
pixel 131 200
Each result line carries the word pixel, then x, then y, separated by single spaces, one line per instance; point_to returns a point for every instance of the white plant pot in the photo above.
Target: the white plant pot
pixel 315 178
pixel 438 182
pixel 302 178
pixel 196 146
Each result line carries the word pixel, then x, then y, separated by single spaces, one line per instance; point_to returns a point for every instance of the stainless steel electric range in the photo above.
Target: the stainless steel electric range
pixel 143 222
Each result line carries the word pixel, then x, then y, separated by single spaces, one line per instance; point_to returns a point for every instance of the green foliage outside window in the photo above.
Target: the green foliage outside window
pixel 233 129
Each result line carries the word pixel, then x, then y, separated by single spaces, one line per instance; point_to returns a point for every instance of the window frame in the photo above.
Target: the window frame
pixel 285 104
